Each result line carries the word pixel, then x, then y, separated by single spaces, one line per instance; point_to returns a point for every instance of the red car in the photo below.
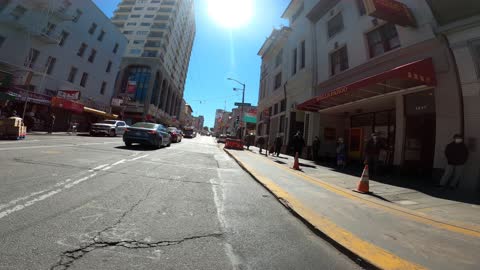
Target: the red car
pixel 176 134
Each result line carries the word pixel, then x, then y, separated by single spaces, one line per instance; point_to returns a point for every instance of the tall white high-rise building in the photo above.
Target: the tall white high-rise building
pixel 154 69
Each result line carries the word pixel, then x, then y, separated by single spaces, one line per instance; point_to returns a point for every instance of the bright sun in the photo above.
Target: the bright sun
pixel 231 13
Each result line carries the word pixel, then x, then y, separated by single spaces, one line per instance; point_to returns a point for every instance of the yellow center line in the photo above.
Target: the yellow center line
pixel 418 217
pixel 373 254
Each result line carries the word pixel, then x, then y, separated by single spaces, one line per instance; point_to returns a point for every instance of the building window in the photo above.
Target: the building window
pixel 275 109
pixel 83 81
pixel 92 29
pixel 278 58
pixel 91 58
pixel 109 67
pixel 63 38
pixel 50 64
pixel 302 54
pixel 149 16
pixel 72 74
pixel 475 48
pixel 145 24
pixel 155 1
pixel 335 25
pixel 18 12
pixel 131 24
pixel 281 126
pixel 129 32
pixel 32 58
pixel 151 8
pixel 142 33
pixel 283 105
pixel 81 50
pixel 115 48
pixel 138 41
pixel 102 89
pixel 278 80
pixel 50 28
pixel 135 16
pixel 100 37
pixel 339 61
pixel 138 8
pixel 141 75
pixel 150 53
pixel 2 40
pixel 383 39
pixel 361 7
pixel 135 51
pixel 77 15
pixel 294 61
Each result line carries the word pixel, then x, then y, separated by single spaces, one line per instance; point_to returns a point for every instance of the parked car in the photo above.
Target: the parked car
pixel 222 138
pixel 108 127
pixel 189 132
pixel 176 134
pixel 147 134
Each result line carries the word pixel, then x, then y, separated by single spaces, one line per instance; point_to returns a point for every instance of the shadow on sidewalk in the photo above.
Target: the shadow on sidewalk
pixel 419 183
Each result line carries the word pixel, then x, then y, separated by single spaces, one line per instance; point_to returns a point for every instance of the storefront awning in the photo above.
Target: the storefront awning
pixel 67 105
pixel 403 77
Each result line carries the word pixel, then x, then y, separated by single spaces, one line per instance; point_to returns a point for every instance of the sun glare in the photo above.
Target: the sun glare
pixel 231 13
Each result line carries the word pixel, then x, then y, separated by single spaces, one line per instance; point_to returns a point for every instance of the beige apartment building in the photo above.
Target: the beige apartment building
pixel 151 83
pixel 405 69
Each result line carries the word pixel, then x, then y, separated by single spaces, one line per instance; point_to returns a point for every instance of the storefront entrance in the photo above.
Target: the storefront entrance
pixel 419 147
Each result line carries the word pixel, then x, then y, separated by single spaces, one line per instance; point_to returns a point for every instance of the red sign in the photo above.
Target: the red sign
pixel 69 94
pixel 131 87
pixel 390 11
pixel 67 105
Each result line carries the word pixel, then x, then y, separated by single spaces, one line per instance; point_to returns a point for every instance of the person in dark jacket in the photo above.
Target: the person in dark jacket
pixel 261 143
pixel 298 143
pixel 278 145
pixel 316 148
pixel 457 155
pixel 372 152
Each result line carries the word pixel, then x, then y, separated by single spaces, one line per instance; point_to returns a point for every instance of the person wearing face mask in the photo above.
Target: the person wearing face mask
pixel 372 152
pixel 457 155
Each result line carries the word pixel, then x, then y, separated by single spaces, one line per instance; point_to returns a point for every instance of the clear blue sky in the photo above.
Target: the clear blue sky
pixel 220 52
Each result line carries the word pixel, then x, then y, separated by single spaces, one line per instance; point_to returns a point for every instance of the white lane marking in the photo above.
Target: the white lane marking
pixel 137 158
pixel 98 168
pixel 53 146
pixel 107 168
pixel 13 202
pixel 44 196
pixel 119 162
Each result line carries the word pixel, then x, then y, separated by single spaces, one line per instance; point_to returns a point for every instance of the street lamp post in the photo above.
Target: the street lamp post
pixel 243 102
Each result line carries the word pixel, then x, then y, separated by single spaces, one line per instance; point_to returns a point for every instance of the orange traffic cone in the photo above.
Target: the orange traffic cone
pixel 296 164
pixel 363 186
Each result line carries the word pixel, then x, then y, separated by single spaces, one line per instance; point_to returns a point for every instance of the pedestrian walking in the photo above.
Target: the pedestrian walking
pixel 372 152
pixel 278 145
pixel 51 122
pixel 261 143
pixel 316 148
pixel 341 153
pixel 457 155
pixel 298 143
pixel 248 140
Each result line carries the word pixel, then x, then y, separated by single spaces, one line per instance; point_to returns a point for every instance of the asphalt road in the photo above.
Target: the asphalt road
pixel 90 203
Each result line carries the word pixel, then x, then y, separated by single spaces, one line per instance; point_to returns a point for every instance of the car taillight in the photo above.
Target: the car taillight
pixel 152 132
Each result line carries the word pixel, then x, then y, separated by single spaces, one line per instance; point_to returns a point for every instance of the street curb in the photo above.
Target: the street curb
pixel 349 253
pixel 455 226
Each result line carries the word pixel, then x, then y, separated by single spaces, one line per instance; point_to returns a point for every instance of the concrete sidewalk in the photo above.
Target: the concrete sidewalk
pixel 386 235
pixel 451 206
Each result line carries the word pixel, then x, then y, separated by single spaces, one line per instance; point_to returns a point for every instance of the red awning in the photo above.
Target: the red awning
pixel 67 105
pixel 403 77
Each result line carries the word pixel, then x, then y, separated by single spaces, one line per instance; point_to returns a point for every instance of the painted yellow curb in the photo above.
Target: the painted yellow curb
pixel 374 255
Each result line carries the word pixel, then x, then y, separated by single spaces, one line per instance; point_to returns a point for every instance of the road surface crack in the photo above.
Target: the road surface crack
pixel 68 258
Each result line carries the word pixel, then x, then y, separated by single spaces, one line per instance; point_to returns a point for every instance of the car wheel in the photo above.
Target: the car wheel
pixel 112 133
pixel 159 144
pixel 128 144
